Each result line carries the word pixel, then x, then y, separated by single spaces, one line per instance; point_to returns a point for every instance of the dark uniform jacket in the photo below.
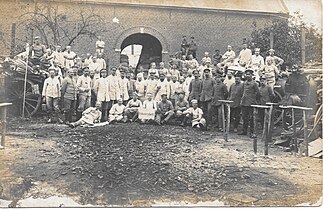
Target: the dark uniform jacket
pixel 195 89
pixel 250 93
pixel 235 94
pixel 207 92
pixel 220 93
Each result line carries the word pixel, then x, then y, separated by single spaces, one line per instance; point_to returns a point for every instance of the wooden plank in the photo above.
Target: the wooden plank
pixel 254 128
pixel 5 104
pixel 305 133
pixel 225 101
pixel 261 106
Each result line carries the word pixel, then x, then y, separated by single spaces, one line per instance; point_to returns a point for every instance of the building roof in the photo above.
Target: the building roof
pixel 266 6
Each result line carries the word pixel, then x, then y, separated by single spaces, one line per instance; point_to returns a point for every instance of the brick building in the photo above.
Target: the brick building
pixel 159 25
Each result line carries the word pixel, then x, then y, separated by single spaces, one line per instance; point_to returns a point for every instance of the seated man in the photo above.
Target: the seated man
pixel 165 110
pixel 116 112
pixel 148 109
pixel 195 115
pixel 89 116
pixel 181 105
pixel 132 107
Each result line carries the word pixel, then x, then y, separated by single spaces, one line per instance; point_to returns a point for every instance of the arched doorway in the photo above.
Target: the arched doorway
pixel 141 49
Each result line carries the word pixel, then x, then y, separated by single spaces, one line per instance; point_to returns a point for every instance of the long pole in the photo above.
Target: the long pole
pixel 25 82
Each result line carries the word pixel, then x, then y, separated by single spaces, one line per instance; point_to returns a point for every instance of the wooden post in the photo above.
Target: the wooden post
pixel 271 39
pixel 254 130
pixel 3 117
pixel 294 132
pixel 225 122
pixel 13 40
pixel 303 44
pixel 305 133
pixel 265 128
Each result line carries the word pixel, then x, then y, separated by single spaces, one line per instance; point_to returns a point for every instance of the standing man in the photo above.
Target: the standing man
pixel 277 60
pixel 113 87
pixel 207 93
pixel 257 63
pixel 235 95
pixel 229 80
pixel 220 93
pixel 69 56
pixel 58 56
pixel 100 45
pixel 101 91
pixel 69 93
pixel 140 88
pixel 192 48
pixel 195 87
pixel 151 85
pixel 249 97
pixel 124 85
pixel 270 72
pixel 96 67
pixel 163 87
pixel 101 61
pixel 51 94
pixel 84 84
pixel 184 46
pixel 266 95
pixel 37 51
pixel 245 56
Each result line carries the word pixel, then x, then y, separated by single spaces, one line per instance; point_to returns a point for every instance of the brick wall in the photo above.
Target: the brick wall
pixel 211 29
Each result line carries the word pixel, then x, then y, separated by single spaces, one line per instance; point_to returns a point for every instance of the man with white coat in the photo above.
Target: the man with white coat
pixel 101 91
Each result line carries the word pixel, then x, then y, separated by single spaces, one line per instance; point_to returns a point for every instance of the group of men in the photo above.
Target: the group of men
pixel 187 92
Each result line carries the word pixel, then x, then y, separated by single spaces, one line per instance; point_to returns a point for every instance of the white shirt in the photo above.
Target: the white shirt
pixel 228 82
pixel 140 87
pixel 257 62
pixel 59 57
pixel 101 89
pixel 196 113
pixel 117 109
pixel 245 56
pixel 229 56
pixel 100 44
pixel 102 63
pixel 96 67
pixel 69 58
pixel 84 83
pixel 113 87
pixel 124 88
pixel 151 105
pixel 51 87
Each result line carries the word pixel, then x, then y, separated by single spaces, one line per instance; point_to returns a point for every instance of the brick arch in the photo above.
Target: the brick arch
pixel 142 29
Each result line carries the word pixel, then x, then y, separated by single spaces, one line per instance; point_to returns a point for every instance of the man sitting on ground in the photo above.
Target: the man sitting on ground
pixel 89 116
pixel 116 112
pixel 132 107
pixel 195 115
pixel 165 110
pixel 149 107
pixel 181 105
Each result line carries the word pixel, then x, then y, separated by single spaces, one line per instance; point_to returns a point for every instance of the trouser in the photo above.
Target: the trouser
pixel 78 123
pixel 116 118
pixel 84 103
pixel 188 118
pixel 235 116
pixel 104 111
pixel 69 109
pixel 247 116
pixel 131 113
pixel 110 104
pixel 93 99
pixel 207 111
pixel 163 116
pixel 52 107
pixel 218 115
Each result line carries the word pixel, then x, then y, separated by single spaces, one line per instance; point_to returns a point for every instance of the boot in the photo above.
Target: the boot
pixel 78 115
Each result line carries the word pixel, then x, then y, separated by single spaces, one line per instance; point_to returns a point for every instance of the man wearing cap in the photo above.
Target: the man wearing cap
pixel 151 85
pixel 266 95
pixel 117 111
pixel 277 60
pixel 249 97
pixel 192 48
pixel 140 88
pixel 195 87
pixel 100 89
pixel 181 105
pixel 84 84
pixel 124 85
pixel 162 87
pixel 99 45
pixel 131 111
pixel 194 115
pixel 165 110
pixel 58 56
pixel 89 116
pixel 257 63
pixel 220 93
pixel 235 95
pixel 207 93
pixel 270 72
pixel 245 56
pixel 69 57
pixel 51 94
pixel 69 93
pixel 173 86
pixel 37 51
pixel 228 58
pixel 113 87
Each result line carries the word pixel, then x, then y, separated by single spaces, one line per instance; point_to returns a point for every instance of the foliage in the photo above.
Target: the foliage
pixel 287 39
pixel 58 28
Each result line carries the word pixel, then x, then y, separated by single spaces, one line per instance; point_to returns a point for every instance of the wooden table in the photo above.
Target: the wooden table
pixel 3 120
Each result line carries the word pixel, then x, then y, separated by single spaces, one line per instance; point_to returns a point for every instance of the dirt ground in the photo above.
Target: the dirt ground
pixel 147 165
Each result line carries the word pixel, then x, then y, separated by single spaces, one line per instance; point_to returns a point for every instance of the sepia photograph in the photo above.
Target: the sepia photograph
pixel 161 103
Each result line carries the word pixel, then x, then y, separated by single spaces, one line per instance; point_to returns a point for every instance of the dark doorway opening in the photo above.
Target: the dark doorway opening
pixel 151 49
